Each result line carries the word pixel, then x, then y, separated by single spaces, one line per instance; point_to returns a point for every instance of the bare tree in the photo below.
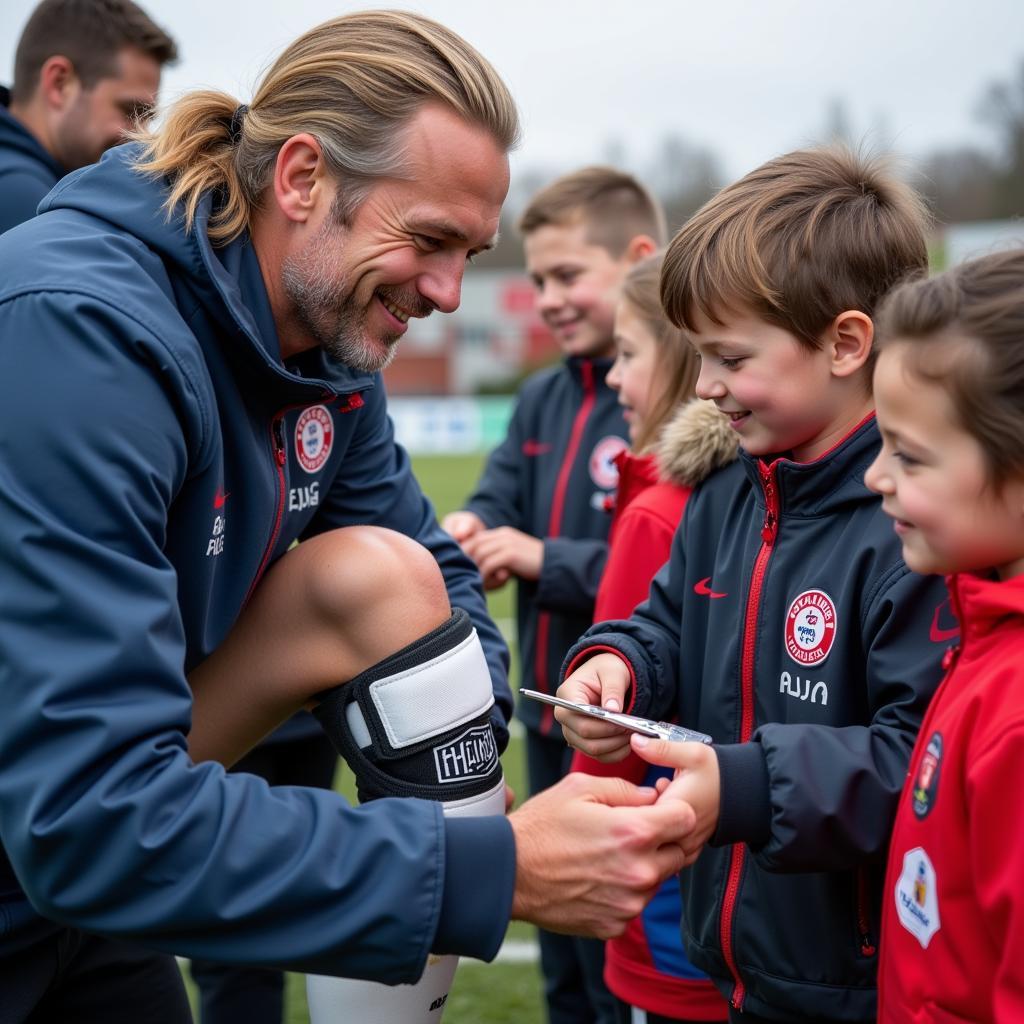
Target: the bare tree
pixel 1003 108
pixel 958 184
pixel 683 176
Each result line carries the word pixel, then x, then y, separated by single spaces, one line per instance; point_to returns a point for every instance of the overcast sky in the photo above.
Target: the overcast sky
pixel 746 78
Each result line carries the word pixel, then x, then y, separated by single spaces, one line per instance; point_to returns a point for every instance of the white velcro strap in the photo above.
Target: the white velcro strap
pixel 429 699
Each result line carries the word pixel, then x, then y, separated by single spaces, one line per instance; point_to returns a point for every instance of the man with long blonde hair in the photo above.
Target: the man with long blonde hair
pixel 191 335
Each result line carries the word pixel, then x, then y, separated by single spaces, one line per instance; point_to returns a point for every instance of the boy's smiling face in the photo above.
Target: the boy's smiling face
pixel 780 396
pixel 577 287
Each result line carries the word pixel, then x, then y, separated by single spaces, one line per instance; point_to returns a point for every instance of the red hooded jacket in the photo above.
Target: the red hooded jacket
pixel 952 945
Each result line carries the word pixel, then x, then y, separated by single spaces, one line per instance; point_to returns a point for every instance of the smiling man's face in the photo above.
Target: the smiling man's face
pixel 353 287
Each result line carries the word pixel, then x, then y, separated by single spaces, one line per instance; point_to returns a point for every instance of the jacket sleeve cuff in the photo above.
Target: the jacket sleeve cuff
pixel 476 905
pixel 745 814
pixel 483 514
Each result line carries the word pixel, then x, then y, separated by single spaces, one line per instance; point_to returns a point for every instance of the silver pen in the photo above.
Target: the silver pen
pixel 645 726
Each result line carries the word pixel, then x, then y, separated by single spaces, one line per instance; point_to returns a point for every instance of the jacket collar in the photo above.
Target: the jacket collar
pixel 982 603
pixel 829 482
pixel 579 366
pixel 14 135
pixel 636 474
pixel 115 192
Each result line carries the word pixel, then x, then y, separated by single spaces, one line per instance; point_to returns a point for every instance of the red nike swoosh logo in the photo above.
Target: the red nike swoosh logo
pixel 701 587
pixel 536 448
pixel 937 634
pixel 219 498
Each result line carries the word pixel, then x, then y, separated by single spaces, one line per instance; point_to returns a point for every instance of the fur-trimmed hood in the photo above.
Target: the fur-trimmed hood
pixel 694 443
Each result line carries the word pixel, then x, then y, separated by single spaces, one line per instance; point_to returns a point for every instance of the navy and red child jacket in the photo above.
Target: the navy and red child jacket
pixel 156 456
pixel 647 966
pixel 787 626
pixel 550 478
pixel 953 904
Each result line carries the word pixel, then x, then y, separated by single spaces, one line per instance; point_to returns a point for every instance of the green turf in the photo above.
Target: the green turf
pixel 501 993
pixel 448 480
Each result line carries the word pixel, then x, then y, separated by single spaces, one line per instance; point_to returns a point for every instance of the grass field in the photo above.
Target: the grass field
pixel 498 993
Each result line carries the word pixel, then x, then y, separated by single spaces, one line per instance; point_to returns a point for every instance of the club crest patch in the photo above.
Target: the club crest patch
pixel 926 782
pixel 603 470
pixel 810 627
pixel 917 897
pixel 314 438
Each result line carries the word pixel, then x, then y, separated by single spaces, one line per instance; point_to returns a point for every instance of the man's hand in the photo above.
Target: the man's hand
pixel 504 552
pixel 591 852
pixel 462 524
pixel 602 680
pixel 697 782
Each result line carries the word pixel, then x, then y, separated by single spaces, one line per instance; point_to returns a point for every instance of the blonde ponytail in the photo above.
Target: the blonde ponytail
pixel 194 148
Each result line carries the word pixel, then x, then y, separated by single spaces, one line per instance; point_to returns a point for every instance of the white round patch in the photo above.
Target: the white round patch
pixel 917 896
pixel 603 470
pixel 810 627
pixel 314 437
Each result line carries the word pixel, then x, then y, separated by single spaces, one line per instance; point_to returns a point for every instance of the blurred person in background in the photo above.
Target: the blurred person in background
pixel 85 73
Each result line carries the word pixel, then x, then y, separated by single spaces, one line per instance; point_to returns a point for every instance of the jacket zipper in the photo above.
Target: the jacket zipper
pixel 737 855
pixel 347 403
pixel 867 940
pixel 280 458
pixel 540 667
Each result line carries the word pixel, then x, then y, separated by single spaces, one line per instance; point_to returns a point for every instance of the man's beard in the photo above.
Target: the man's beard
pixel 75 145
pixel 319 291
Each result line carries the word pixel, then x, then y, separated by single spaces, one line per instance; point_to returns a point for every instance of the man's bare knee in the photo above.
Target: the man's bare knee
pixel 368 571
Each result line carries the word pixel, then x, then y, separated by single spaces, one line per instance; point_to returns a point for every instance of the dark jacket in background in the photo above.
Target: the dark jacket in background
pixel 550 478
pixel 27 171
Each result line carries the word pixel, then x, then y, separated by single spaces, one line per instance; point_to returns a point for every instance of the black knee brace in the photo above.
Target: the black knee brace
pixel 418 723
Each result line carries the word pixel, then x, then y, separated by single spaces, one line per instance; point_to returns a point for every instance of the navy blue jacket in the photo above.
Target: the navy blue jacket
pixel 152 465
pixel 551 478
pixel 27 171
pixel 787 626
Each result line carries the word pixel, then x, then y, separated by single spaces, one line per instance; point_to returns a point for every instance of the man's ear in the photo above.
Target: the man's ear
pixel 639 247
pixel 59 84
pixel 849 338
pixel 300 178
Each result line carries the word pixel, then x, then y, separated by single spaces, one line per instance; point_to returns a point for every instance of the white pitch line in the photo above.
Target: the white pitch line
pixel 513 951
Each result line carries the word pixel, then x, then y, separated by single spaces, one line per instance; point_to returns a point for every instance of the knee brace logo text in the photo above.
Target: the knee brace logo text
pixel 471 755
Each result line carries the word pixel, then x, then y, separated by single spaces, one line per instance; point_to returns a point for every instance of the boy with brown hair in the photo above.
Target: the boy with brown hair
pixel 538 511
pixel 786 624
